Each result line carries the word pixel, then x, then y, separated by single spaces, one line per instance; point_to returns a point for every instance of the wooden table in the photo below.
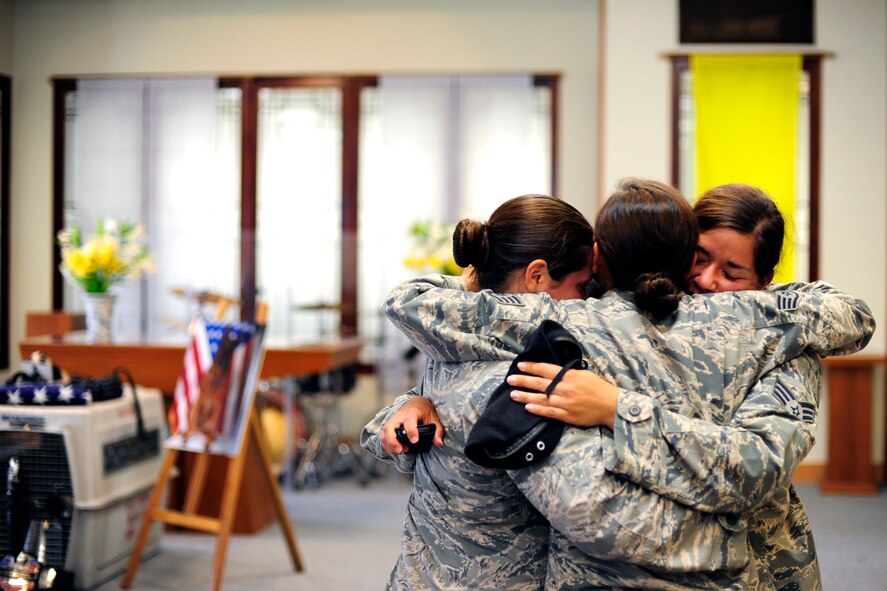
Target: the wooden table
pixel 158 365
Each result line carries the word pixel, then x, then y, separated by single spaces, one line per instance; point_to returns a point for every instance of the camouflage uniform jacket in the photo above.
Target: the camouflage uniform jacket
pixel 662 432
pixel 466 527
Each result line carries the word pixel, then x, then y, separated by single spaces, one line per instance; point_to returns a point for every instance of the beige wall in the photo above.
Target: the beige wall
pixel 277 36
pixel 637 134
pixel 854 152
pixel 853 237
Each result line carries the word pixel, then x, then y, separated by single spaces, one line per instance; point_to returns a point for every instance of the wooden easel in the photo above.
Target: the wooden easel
pixel 222 525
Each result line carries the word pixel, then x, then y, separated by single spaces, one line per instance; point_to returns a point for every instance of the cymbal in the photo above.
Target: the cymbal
pixel 202 296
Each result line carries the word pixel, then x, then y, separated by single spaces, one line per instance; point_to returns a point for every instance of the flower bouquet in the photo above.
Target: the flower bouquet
pixel 115 252
pixel 432 249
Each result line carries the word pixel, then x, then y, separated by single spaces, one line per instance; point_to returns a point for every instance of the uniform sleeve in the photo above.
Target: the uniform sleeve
pixel 450 324
pixel 371 435
pixel 731 468
pixel 816 316
pixel 609 517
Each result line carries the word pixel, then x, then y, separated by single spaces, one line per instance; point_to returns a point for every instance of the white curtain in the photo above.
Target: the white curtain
pixel 144 151
pixel 441 148
pixel 166 152
pixel 299 203
pixel 505 145
pixel 193 198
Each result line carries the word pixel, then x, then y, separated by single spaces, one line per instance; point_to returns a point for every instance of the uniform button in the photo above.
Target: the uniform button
pixel 634 411
pixel 529 457
pixel 540 445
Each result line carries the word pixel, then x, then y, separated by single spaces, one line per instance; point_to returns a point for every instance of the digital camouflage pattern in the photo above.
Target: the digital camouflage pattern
pixel 466 527
pixel 609 532
pixel 696 463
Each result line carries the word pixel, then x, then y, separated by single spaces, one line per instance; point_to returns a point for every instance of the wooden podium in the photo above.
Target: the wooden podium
pixel 849 468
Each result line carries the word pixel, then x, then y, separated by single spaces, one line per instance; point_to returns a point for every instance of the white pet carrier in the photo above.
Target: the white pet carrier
pixel 88 471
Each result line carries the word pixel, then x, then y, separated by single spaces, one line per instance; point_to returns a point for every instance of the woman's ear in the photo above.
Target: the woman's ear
pixel 536 276
pixel 767 281
pixel 599 269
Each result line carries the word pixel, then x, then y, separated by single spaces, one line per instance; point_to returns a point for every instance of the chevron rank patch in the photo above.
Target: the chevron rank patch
pixel 787 301
pixel 802 410
pixel 508 299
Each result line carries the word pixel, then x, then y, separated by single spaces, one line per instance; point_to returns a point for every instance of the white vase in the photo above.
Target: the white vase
pixel 98 308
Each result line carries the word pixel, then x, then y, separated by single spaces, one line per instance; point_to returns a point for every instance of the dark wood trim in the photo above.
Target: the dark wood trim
pixel 351 94
pixel 679 65
pixel 552 82
pixel 811 64
pixel 249 123
pixel 731 50
pixel 5 208
pixel 60 89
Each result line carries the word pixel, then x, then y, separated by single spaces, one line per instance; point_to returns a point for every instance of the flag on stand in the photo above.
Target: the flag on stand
pixel 202 348
pixel 198 358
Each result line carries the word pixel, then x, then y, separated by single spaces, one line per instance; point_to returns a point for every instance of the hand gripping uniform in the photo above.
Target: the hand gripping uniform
pixel 676 378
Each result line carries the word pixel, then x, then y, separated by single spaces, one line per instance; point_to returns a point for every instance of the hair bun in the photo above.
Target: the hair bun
pixel 470 244
pixel 657 293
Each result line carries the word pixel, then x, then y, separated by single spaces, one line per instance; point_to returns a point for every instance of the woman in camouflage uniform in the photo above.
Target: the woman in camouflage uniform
pixel 740 241
pixel 618 550
pixel 483 534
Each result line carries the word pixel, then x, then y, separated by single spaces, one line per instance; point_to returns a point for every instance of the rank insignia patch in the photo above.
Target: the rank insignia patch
pixel 787 301
pixel 507 299
pixel 803 410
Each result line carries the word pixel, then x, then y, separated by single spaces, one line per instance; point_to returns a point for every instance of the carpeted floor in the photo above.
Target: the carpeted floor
pixel 349 539
pixel 348 536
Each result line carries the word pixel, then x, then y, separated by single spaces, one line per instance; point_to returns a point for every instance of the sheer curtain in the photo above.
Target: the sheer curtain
pixel 299 203
pixel 144 150
pixel 193 198
pixel 505 143
pixel 441 148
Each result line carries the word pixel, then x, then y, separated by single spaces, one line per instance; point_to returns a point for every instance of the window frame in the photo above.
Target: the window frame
pixel 351 87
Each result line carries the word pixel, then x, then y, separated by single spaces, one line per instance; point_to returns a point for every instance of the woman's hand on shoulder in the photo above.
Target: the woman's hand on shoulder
pixel 418 411
pixel 581 397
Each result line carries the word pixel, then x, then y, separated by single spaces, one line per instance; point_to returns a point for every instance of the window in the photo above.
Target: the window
pixel 804 231
pixel 308 183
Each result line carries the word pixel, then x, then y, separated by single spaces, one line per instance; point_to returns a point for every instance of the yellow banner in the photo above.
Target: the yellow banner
pixel 747 127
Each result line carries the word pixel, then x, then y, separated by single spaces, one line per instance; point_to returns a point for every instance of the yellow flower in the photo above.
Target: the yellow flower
pixel 432 249
pixel 117 251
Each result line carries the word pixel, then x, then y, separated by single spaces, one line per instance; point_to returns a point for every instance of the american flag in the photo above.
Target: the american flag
pixel 202 348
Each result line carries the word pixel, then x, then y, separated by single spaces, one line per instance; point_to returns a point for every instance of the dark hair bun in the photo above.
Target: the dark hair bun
pixel 470 244
pixel 656 293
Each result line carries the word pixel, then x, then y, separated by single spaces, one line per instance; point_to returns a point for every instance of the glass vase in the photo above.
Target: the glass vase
pixel 98 308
